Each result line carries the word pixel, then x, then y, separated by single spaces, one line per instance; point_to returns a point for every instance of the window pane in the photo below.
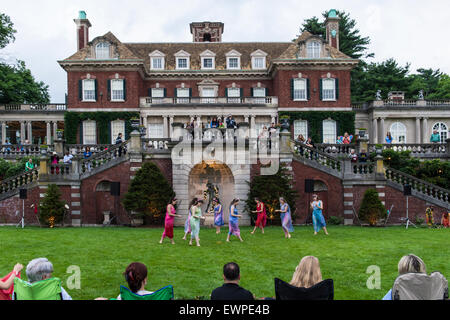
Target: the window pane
pixel 398 132
pixel 259 92
pixel 234 92
pixel 117 90
pixel 89 132
pixel 441 128
pixel 328 89
pixel 258 63
pixel 182 63
pixel 329 131
pixel 313 49
pixel 207 63
pixel 299 89
pixel 208 92
pixel 233 63
pixel 183 92
pixel 102 51
pixel 157 63
pixel 301 127
pixel 157 93
pixel 88 90
pixel 117 127
pixel 156 130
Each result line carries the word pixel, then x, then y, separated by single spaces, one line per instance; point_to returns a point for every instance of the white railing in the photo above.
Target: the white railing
pixel 34 107
pixel 272 101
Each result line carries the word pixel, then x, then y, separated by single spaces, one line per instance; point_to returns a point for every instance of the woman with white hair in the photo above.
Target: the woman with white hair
pixel 408 264
pixel 41 269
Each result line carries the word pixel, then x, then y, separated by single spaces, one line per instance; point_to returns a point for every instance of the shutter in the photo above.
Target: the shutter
pixel 124 89
pixel 267 92
pixel 308 94
pixel 251 92
pixel 175 92
pixel 81 133
pixel 149 92
pixel 95 89
pixel 226 92
pixel 190 92
pixel 108 95
pixel 292 89
pixel 165 92
pixel 110 133
pixel 242 92
pixel 320 89
pixel 336 83
pixel 80 90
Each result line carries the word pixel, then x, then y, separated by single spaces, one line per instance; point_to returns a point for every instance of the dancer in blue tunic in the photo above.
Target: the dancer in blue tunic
pixel 286 219
pixel 218 214
pixel 234 221
pixel 317 216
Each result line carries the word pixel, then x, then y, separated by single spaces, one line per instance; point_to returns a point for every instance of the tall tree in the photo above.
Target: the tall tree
pixel 426 80
pixel 442 90
pixel 17 84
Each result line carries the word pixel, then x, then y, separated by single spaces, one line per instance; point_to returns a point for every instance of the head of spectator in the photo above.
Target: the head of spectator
pixel 231 273
pixel 231 290
pixel 307 273
pixel 301 138
pixel 136 277
pixel 411 264
pixel 39 269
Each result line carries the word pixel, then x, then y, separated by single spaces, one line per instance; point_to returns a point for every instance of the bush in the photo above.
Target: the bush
pixel 372 210
pixel 419 221
pixel 333 220
pixel 51 208
pixel 149 193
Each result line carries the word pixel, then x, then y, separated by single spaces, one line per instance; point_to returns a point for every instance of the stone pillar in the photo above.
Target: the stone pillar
pixel 382 131
pixel 177 131
pixel 380 170
pixel 43 167
pixel 363 145
pixel 49 133
pixel 22 132
pixel 375 130
pixel 425 130
pixel 30 132
pixel 135 142
pixel 252 127
pixel 166 127
pixel 145 124
pixel 170 126
pixel 273 119
pixel 417 130
pixel 55 127
pixel 3 124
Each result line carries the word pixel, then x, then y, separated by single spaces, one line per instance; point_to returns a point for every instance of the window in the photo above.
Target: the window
pixel 117 126
pixel 89 132
pixel 88 90
pixel 328 89
pixel 158 63
pixel 329 131
pixel 301 127
pixel 300 88
pixel 183 95
pixel 258 63
pixel 398 132
pixel 259 92
pixel 313 49
pixel 208 95
pixel 233 63
pixel 156 130
pixel 117 92
pixel 102 51
pixel 157 93
pixel 234 95
pixel 441 128
pixel 182 63
pixel 208 63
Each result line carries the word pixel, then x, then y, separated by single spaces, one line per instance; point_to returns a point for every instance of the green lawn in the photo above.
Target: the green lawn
pixel 103 254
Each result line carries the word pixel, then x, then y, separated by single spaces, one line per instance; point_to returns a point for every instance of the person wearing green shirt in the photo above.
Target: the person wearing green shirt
pixel 29 165
pixel 435 137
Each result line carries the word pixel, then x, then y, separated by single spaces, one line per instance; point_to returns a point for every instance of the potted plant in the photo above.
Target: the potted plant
pixel 43 148
pixel 135 123
pixel 284 123
pixel 362 132
pixel 59 133
pixel 379 149
pixel 142 130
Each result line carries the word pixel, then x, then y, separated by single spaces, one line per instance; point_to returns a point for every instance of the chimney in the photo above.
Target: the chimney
pixel 83 25
pixel 207 31
pixel 332 28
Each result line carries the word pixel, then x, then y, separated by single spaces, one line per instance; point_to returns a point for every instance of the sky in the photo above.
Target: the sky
pixel 410 31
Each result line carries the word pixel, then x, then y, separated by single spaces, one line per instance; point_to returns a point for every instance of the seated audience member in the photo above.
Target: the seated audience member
pixel 7 283
pixel 347 139
pixel 231 290
pixel 353 156
pixel 408 264
pixel 363 156
pixel 41 269
pixel 307 273
pixel 444 220
pixel 136 277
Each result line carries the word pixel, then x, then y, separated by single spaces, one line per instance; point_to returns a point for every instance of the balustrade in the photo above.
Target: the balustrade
pixel 19 180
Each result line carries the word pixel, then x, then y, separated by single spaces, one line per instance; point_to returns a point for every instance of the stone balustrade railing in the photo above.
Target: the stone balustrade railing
pixel 335 149
pixel 34 107
pixel 60 169
pixel 418 185
pixel 154 144
pixel 18 151
pixel 19 180
pixel 79 149
pixel 148 101
pixel 365 168
pixel 103 157
pixel 417 149
pixel 357 106
pixel 318 156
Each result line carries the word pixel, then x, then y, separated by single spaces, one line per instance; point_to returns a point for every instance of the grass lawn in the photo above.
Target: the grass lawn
pixel 103 254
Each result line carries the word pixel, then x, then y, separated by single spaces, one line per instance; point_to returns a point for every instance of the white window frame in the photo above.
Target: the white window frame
pixel 178 63
pixel 398 132
pixel 91 126
pixel 208 54
pixel 234 95
pixel 157 55
pixel 182 55
pixel 212 67
pixel 117 126
pixel 313 49
pixel 102 50
pixel 155 130
pixel 159 65
pixel 259 54
pixel 88 93
pixel 443 132
pixel 233 54
pixel 259 92
pixel 301 127
pixel 157 92
pixel 208 98
pixel 326 96
pixel 329 134
pixel 300 94
pixel 117 94
pixel 183 95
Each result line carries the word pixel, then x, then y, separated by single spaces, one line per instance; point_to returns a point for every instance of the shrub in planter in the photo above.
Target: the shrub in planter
pixel 51 208
pixel 371 210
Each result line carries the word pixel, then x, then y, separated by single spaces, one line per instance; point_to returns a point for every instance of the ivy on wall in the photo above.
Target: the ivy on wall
pixel 345 121
pixel 73 120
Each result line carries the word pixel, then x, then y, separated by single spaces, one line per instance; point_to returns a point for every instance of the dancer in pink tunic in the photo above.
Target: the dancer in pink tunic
pixel 168 224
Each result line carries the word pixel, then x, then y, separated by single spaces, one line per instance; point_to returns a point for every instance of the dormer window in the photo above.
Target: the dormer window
pixel 102 51
pixel 157 60
pixel 313 49
pixel 208 59
pixel 259 60
pixel 233 60
pixel 182 60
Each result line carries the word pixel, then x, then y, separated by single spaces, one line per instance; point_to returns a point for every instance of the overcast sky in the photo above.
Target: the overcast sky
pixel 413 31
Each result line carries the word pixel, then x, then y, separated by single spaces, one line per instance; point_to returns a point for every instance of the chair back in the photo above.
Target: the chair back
pixel 420 286
pixel 48 289
pixel 323 290
pixel 165 293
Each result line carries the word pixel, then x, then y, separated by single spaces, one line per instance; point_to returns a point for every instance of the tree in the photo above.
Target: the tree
pixel 372 209
pixel 51 208
pixel 426 80
pixel 149 192
pixel 17 84
pixel 442 90
pixel 269 188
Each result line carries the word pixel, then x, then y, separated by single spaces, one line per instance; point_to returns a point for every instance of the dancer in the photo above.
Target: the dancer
pixel 234 221
pixel 196 215
pixel 187 224
pixel 218 214
pixel 286 220
pixel 262 216
pixel 168 223
pixel 317 216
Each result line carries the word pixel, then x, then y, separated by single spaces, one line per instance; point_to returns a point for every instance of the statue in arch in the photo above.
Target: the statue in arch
pixel 211 192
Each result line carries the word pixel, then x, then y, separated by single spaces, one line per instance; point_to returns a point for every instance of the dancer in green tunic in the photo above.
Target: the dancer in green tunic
pixel 196 215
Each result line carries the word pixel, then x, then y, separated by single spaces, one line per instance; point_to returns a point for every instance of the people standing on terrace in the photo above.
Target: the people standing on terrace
pixel 389 138
pixel 435 137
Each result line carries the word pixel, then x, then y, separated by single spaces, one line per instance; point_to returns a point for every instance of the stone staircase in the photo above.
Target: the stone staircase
pixel 11 186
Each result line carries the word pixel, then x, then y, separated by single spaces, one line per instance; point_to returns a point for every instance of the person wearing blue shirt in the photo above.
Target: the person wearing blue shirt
pixel 389 138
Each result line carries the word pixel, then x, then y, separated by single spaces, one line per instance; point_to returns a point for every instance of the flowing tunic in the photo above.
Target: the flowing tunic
pixel 218 216
pixel 317 216
pixel 195 222
pixel 286 220
pixel 261 220
pixel 168 224
pixel 234 224
pixel 187 224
